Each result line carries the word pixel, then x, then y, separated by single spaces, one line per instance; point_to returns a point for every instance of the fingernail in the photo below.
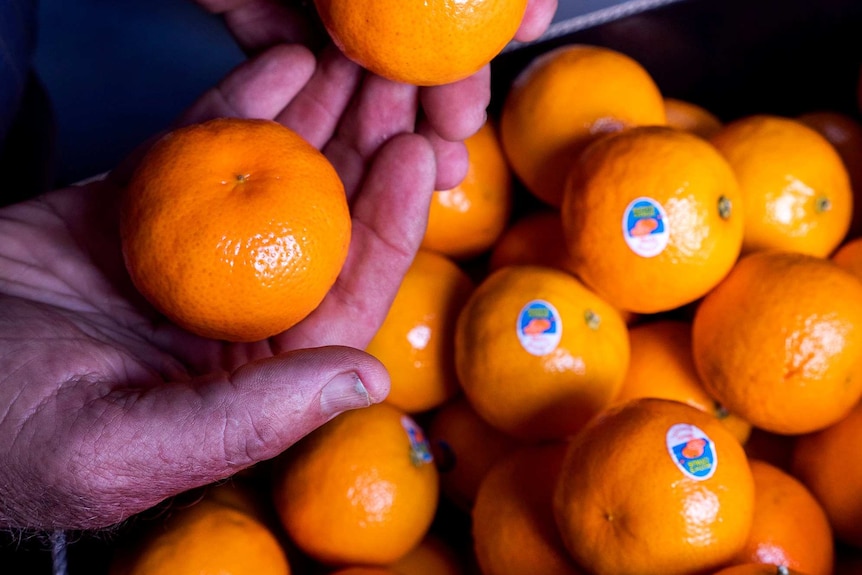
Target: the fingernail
pixel 342 392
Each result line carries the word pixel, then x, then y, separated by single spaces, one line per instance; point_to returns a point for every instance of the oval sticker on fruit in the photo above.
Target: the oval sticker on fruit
pixel 420 449
pixel 645 227
pixel 692 451
pixel 539 327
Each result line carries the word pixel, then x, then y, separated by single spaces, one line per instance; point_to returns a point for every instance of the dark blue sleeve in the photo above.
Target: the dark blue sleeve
pixel 17 45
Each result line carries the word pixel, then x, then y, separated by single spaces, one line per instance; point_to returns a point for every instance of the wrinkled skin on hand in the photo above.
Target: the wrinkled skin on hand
pixel 109 409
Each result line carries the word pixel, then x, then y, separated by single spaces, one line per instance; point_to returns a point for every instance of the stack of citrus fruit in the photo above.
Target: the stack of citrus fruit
pixel 592 386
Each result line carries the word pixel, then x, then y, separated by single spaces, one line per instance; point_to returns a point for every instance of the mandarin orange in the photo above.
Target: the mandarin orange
pixel 777 346
pixel 691 117
pixel 361 489
pixel 823 461
pixel 849 256
pixel 512 520
pixel 757 569
pixel 565 98
pixel 242 495
pixel 537 353
pixel 654 486
pixel 795 187
pixel 535 238
pixel 231 243
pixel 790 527
pixel 661 365
pixel 652 218
pixel 207 538
pixel 423 43
pixel 465 446
pixel 466 220
pixel 416 340
pixel 844 132
pixel 431 556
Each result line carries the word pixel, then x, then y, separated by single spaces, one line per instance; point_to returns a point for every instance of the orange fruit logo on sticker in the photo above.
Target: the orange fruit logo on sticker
pixel 691 450
pixel 539 328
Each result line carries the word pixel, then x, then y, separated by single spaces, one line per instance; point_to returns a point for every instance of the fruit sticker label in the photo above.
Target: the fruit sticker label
pixel 420 448
pixel 539 327
pixel 645 227
pixel 692 451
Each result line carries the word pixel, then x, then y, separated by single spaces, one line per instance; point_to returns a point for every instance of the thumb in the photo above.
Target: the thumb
pixel 179 436
pixel 287 396
pixel 234 420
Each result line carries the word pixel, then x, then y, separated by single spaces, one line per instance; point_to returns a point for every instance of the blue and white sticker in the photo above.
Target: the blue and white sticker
pixel 692 451
pixel 645 227
pixel 539 327
pixel 420 448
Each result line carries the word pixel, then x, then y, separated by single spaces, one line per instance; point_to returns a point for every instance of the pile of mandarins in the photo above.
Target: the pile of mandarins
pixel 655 369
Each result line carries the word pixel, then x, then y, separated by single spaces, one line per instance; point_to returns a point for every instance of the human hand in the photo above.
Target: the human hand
pixel 108 409
pixel 450 113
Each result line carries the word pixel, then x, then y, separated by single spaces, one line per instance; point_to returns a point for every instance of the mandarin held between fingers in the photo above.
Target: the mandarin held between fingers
pixel 422 42
pixel 231 243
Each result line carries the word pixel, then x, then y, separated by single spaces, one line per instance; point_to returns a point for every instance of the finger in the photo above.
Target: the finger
pixel 389 219
pixel 258 88
pixel 260 24
pixel 380 110
pixel 456 111
pixel 152 444
pixel 451 158
pixel 316 110
pixel 537 18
